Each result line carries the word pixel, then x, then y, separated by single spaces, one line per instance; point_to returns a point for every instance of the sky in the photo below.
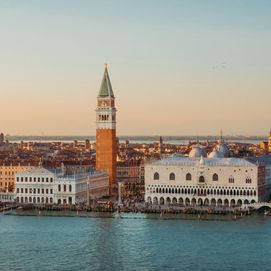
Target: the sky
pixel 176 67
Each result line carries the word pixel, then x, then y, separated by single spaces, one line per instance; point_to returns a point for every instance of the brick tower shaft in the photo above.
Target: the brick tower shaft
pixel 106 142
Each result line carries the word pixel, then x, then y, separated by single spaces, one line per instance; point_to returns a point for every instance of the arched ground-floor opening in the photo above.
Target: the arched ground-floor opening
pixel 200 202
pixel 181 201
pixel 206 202
pixel 219 202
pixel 226 203
pixel 155 200
pixel 187 201
pixel 246 201
pixel 193 202
pixel 174 201
pixel 168 200
pixel 213 202
pixel 161 201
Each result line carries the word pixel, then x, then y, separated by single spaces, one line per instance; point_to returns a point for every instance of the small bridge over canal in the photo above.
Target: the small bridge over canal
pixel 258 205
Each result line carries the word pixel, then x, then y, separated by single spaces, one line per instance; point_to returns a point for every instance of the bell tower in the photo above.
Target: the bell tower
pixel 106 143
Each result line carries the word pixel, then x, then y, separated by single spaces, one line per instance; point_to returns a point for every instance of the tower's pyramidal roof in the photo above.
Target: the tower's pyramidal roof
pixel 106 87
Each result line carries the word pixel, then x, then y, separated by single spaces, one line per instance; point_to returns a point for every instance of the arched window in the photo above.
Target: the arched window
pixel 156 176
pixel 231 179
pixel 248 180
pixel 188 177
pixel 201 179
pixel 172 176
pixel 215 177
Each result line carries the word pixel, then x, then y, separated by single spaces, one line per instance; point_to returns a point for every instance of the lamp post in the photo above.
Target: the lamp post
pixel 88 200
pixel 119 194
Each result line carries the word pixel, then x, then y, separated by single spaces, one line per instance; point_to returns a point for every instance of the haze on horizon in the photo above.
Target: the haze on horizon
pixel 176 67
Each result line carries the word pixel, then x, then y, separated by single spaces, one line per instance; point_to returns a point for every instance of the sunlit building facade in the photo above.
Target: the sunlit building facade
pixel 42 186
pixel 215 181
pixel 7 175
pixel 106 141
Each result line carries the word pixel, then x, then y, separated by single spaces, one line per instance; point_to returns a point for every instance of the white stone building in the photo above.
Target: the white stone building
pixel 215 181
pixel 39 186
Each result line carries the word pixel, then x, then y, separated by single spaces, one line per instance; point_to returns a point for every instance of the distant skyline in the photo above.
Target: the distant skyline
pixel 176 67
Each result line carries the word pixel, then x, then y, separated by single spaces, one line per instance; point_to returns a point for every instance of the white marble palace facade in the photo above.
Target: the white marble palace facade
pixel 190 181
pixel 42 186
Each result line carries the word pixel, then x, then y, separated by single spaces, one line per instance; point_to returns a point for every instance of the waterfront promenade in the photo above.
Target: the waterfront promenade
pixel 137 211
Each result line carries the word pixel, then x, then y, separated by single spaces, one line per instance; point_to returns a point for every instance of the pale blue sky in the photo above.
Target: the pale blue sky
pixel 177 67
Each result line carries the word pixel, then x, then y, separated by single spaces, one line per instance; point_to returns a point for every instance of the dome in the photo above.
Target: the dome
pixel 224 150
pixel 176 155
pixel 197 151
pixel 215 154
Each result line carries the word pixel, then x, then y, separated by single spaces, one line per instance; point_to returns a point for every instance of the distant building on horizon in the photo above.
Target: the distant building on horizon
pixel 106 141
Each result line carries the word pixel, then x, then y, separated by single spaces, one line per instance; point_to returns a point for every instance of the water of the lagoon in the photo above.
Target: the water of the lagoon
pixel 66 243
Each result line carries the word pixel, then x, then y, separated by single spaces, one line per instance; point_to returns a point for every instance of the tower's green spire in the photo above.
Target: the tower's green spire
pixel 106 88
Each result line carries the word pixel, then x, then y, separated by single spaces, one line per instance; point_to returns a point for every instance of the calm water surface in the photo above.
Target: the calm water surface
pixel 67 243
